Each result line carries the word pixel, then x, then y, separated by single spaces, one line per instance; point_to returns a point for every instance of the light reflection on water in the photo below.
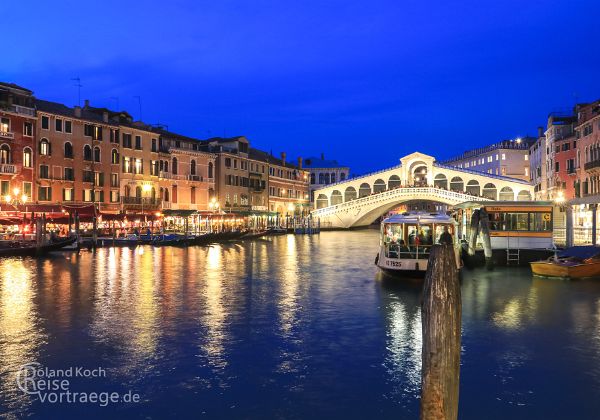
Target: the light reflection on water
pixel 291 327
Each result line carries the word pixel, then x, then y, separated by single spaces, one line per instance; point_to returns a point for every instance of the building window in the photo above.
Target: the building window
pixel 114 136
pixel 88 195
pixel 99 179
pixel 27 158
pixel 503 156
pixel 58 125
pixel 87 152
pixel 45 149
pixel 5 154
pixel 114 196
pixel 88 176
pixel 114 180
pixel 312 178
pixel 96 154
pixel 526 157
pixel 138 142
pixel 154 145
pixel 68 194
pixel 28 129
pixel 44 172
pixel 210 169
pixel 68 150
pixel 114 157
pixel 127 141
pixel 69 174
pixel 228 162
pixel 93 131
pixel 68 127
pixel 193 195
pixel 4 188
pixel 174 166
pixel 139 167
pixel 44 193
pixel 27 189
pixel 45 122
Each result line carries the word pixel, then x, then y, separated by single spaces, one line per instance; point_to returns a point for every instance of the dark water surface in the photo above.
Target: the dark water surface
pixel 287 327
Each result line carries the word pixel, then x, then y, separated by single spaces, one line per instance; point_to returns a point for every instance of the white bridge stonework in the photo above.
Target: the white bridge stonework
pixel 360 201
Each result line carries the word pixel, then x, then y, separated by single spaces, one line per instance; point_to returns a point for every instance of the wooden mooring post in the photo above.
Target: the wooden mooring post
pixel 441 326
pixel 484 221
pixel 473 232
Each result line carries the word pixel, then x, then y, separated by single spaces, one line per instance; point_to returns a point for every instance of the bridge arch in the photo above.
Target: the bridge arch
pixel 440 181
pixel 507 194
pixel 336 197
pixel 418 173
pixel 490 191
pixel 457 184
pixel 393 182
pixel 524 195
pixel 473 188
pixel 350 194
pixel 379 186
pixel 322 201
pixel 364 190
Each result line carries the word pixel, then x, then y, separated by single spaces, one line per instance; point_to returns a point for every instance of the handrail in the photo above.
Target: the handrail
pixel 484 174
pixel 460 196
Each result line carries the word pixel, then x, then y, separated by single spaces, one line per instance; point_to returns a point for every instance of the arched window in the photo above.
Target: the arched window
pixel 45 148
pixel 27 158
pixel 5 154
pixel 127 191
pixel 96 154
pixel 193 167
pixel 174 164
pixel 166 166
pixel 333 177
pixel 166 194
pixel 210 169
pixel 114 157
pixel 326 177
pixel 312 178
pixel 342 176
pixel 87 152
pixel 321 179
pixel 138 191
pixel 68 150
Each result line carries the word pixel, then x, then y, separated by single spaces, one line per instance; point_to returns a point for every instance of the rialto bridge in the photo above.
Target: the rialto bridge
pixel 360 201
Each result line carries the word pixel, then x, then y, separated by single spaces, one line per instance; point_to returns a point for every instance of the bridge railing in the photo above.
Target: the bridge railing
pixel 400 191
pixel 484 174
pixel 361 176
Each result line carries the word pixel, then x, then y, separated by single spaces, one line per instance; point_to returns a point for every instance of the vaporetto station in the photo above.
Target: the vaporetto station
pixel 361 200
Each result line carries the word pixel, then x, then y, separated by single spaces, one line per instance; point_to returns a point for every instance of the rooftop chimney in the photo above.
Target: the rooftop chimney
pixel 77 111
pixel 283 157
pixel 87 103
pixel 540 131
pixel 322 156
pixel 300 163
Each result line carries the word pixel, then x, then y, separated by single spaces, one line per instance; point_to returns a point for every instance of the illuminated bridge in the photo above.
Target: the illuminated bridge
pixel 360 201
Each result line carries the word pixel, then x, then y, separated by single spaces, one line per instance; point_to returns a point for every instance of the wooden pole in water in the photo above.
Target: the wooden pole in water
pixel 441 326
pixel 594 208
pixel 474 231
pixel 484 221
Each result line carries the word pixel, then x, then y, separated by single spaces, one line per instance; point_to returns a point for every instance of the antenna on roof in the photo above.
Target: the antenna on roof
pixel 79 86
pixel 140 105
pixel 116 99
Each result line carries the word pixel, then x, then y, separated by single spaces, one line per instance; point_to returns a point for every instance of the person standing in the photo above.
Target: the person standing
pixel 446 237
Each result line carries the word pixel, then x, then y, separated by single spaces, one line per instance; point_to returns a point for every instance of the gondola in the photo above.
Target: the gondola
pixel 18 249
pixel 254 235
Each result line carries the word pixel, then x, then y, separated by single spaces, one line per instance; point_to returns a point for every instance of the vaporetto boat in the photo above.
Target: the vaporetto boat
pixel 406 240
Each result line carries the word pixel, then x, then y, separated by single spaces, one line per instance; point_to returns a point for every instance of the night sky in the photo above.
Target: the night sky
pixel 365 82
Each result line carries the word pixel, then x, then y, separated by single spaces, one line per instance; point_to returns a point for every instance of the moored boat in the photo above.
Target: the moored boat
pixel 16 249
pixel 573 263
pixel 406 240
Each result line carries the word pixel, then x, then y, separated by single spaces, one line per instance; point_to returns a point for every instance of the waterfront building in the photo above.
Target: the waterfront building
pixel 288 187
pixel 506 158
pixel 186 172
pixel 587 133
pixel 324 172
pixel 258 171
pixel 561 157
pixel 537 166
pixel 73 159
pixel 17 133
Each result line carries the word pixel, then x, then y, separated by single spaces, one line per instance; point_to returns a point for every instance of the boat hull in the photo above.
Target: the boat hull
pixel 574 271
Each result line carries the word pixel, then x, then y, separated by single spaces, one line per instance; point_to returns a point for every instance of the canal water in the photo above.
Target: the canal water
pixel 286 327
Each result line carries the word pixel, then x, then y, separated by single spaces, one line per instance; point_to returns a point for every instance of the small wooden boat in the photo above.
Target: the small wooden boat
pixel 574 263
pixel 277 231
pixel 16 249
pixel 254 235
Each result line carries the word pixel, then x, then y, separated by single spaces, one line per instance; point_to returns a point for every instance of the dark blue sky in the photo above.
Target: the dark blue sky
pixel 365 82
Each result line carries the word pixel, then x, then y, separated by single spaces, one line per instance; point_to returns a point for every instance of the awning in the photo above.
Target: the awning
pixel 590 199
pixel 180 213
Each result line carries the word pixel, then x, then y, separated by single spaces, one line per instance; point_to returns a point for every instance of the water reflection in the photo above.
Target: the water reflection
pixel 20 333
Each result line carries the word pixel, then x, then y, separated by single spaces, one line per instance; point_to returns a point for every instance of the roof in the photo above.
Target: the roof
pixel 268 158
pixel 61 109
pixel 313 162
pixel 420 218
pixel 581 252
pixel 15 86
pixel 225 139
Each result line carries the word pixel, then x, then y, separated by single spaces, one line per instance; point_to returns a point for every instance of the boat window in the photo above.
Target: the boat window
pixel 541 222
pixel 532 221
pixel 439 229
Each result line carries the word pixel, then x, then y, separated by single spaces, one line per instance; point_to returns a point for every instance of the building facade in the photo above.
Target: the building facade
pixel 587 133
pixel 506 158
pixel 17 133
pixel 323 172
pixel 537 166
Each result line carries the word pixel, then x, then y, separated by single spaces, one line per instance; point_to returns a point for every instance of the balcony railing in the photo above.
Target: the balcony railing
pixel 18 109
pixel 8 168
pixel 591 165
pixel 139 201
pixel 7 135
pixel 195 178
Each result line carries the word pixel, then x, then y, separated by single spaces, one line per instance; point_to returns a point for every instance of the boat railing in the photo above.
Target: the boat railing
pixel 412 252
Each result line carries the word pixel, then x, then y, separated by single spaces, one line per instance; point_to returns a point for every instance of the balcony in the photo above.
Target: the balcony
pixel 7 135
pixel 135 202
pixel 23 110
pixel 594 164
pixel 8 168
pixel 197 178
